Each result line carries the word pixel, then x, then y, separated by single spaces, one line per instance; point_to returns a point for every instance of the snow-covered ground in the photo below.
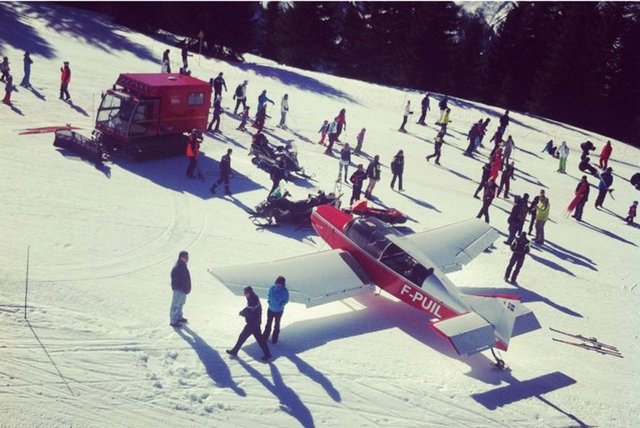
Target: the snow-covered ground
pixel 97 349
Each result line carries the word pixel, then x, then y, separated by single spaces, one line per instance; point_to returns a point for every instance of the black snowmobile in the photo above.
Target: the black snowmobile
pixel 277 209
pixel 267 156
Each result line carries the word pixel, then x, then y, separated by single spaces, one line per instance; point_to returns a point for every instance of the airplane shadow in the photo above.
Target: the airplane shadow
pixel 216 367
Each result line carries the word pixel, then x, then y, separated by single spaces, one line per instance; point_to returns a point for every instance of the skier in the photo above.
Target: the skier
pixel 586 147
pixel 277 174
pixel 218 83
pixel 181 286
pixel 496 164
pixel 217 112
pixel 4 69
pixel 504 121
pixel 542 215
pixel 324 128
pixel 424 105
pixel 405 117
pixel 437 147
pixel 240 95
pixel 580 199
pixel 373 174
pixel 8 89
pixel 342 123
pixel 487 198
pixel 27 70
pixel 397 168
pixel 563 154
pixel 605 154
pixel 632 213
pixel 509 145
pixel 243 119
pixel 284 108
pixel 505 179
pixel 225 174
pixel 193 150
pixel 277 299
pixel 359 141
pixel 333 136
pixel 252 314
pixel 65 79
pixel 585 166
pixel 357 179
pixel 486 170
pixel 345 160
pixel 519 248
pixel 606 180
pixel 443 108
pixel 517 217
pixel 166 63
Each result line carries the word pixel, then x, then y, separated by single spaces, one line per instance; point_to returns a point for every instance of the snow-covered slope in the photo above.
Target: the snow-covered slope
pixel 97 349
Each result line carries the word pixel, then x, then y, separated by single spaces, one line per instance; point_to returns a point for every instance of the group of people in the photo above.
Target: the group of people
pixel 9 87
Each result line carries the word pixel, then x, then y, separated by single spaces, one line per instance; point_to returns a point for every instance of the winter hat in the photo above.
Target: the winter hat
pixel 280 280
pixel 247 290
pixel 183 253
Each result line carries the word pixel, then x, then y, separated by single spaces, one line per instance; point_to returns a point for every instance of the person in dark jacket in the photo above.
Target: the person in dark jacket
pixel 582 196
pixel 252 314
pixel 181 286
pixel 225 174
pixel 166 62
pixel 487 198
pixel 437 147
pixel 277 174
pixel 606 180
pixel 217 113
pixel 505 179
pixel 373 174
pixel 504 121
pixel 185 55
pixel 533 210
pixel 517 217
pixel 8 89
pixel 27 70
pixel 473 135
pixel 357 179
pixel 65 79
pixel 345 161
pixel 277 298
pixel 240 96
pixel 218 83
pixel 486 170
pixel 4 69
pixel 586 147
pixel 520 247
pixel 424 105
pixel 585 166
pixel 397 168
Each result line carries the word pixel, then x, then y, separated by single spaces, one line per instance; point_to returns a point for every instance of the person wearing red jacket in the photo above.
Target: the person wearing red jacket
pixel 605 154
pixel 193 150
pixel 65 79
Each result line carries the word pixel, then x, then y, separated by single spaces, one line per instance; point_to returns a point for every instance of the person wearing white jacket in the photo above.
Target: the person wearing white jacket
pixel 407 112
pixel 563 154
pixel 284 108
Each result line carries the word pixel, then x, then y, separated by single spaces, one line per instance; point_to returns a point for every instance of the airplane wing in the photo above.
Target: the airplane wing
pixel 452 246
pixel 312 279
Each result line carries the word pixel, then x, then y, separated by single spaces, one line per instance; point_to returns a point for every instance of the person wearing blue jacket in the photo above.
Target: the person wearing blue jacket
pixel 278 297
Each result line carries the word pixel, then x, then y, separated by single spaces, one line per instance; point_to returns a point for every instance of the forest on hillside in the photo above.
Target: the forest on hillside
pixel 575 62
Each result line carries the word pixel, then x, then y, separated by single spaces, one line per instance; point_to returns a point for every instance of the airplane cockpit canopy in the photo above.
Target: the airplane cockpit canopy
pixel 370 234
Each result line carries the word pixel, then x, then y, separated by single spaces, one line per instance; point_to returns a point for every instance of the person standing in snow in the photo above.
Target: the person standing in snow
pixel 217 113
pixel 345 161
pixel 342 123
pixel 185 55
pixel 497 142
pixel 240 96
pixel 263 99
pixel 472 136
pixel 606 181
pixel 504 121
pixel 486 170
pixel 277 174
pixel 445 120
pixel 397 168
pixel 509 145
pixel 405 117
pixel 373 174
pixel 482 132
pixel 359 141
pixel 181 286
pixel 243 119
pixel 193 150
pixel 533 211
pixel 357 179
pixel 225 174
pixel 4 69
pixel 505 179
pixel 563 154
pixel 605 154
pixel 520 247
pixel 166 62
pixel 324 128
pixel 218 83
pixel 277 299
pixel 424 105
pixel 632 213
pixel 542 215
pixel 487 198
pixel 65 79
pixel 496 164
pixel 580 199
pixel 437 147
pixel 27 70
pixel 443 108
pixel 8 89
pixel 284 108
pixel 333 136
pixel 252 314
pixel 517 217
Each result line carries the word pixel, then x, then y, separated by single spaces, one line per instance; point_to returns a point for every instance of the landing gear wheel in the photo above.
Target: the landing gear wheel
pixel 500 364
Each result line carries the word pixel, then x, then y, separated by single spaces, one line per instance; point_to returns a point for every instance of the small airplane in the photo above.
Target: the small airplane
pixel 367 252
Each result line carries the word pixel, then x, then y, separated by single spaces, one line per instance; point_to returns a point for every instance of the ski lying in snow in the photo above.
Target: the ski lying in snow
pixel 592 340
pixel 592 347
pixel 47 129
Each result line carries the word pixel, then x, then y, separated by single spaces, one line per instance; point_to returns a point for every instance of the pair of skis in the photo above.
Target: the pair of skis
pixel 589 343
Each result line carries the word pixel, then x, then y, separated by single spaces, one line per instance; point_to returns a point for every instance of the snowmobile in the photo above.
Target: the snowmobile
pixel 267 156
pixel 277 209
pixel 390 215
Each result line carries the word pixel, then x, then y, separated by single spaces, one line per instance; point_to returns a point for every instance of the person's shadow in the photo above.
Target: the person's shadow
pixel 216 367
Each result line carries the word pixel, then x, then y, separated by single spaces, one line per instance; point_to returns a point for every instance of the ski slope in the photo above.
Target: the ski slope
pixel 97 350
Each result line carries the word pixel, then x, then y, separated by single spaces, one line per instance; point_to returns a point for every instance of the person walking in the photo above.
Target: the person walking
pixel 517 217
pixel 605 154
pixel 520 248
pixel 373 174
pixel 193 150
pixel 606 181
pixel 4 69
pixel 252 314
pixel 424 106
pixel 437 148
pixel 487 198
pixel 27 70
pixel 244 117
pixel 542 215
pixel 505 179
pixel 509 145
pixel 284 108
pixel 345 161
pixel 483 131
pixel 405 117
pixel 8 89
pixel 324 129
pixel 218 83
pixel 580 199
pixel 472 136
pixel 486 170
pixel 443 108
pixel 563 154
pixel 496 164
pixel 445 120
pixel 397 168
pixel 357 180
pixel 497 142
pixel 333 136
pixel 360 141
pixel 65 79
pixel 633 209
pixel 240 95
pixel 277 299
pixel 217 113
pixel 181 286
pixel 225 174
pixel 342 123
pixel 277 174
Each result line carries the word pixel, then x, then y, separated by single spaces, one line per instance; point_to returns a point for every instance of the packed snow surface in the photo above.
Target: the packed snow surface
pixel 97 349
